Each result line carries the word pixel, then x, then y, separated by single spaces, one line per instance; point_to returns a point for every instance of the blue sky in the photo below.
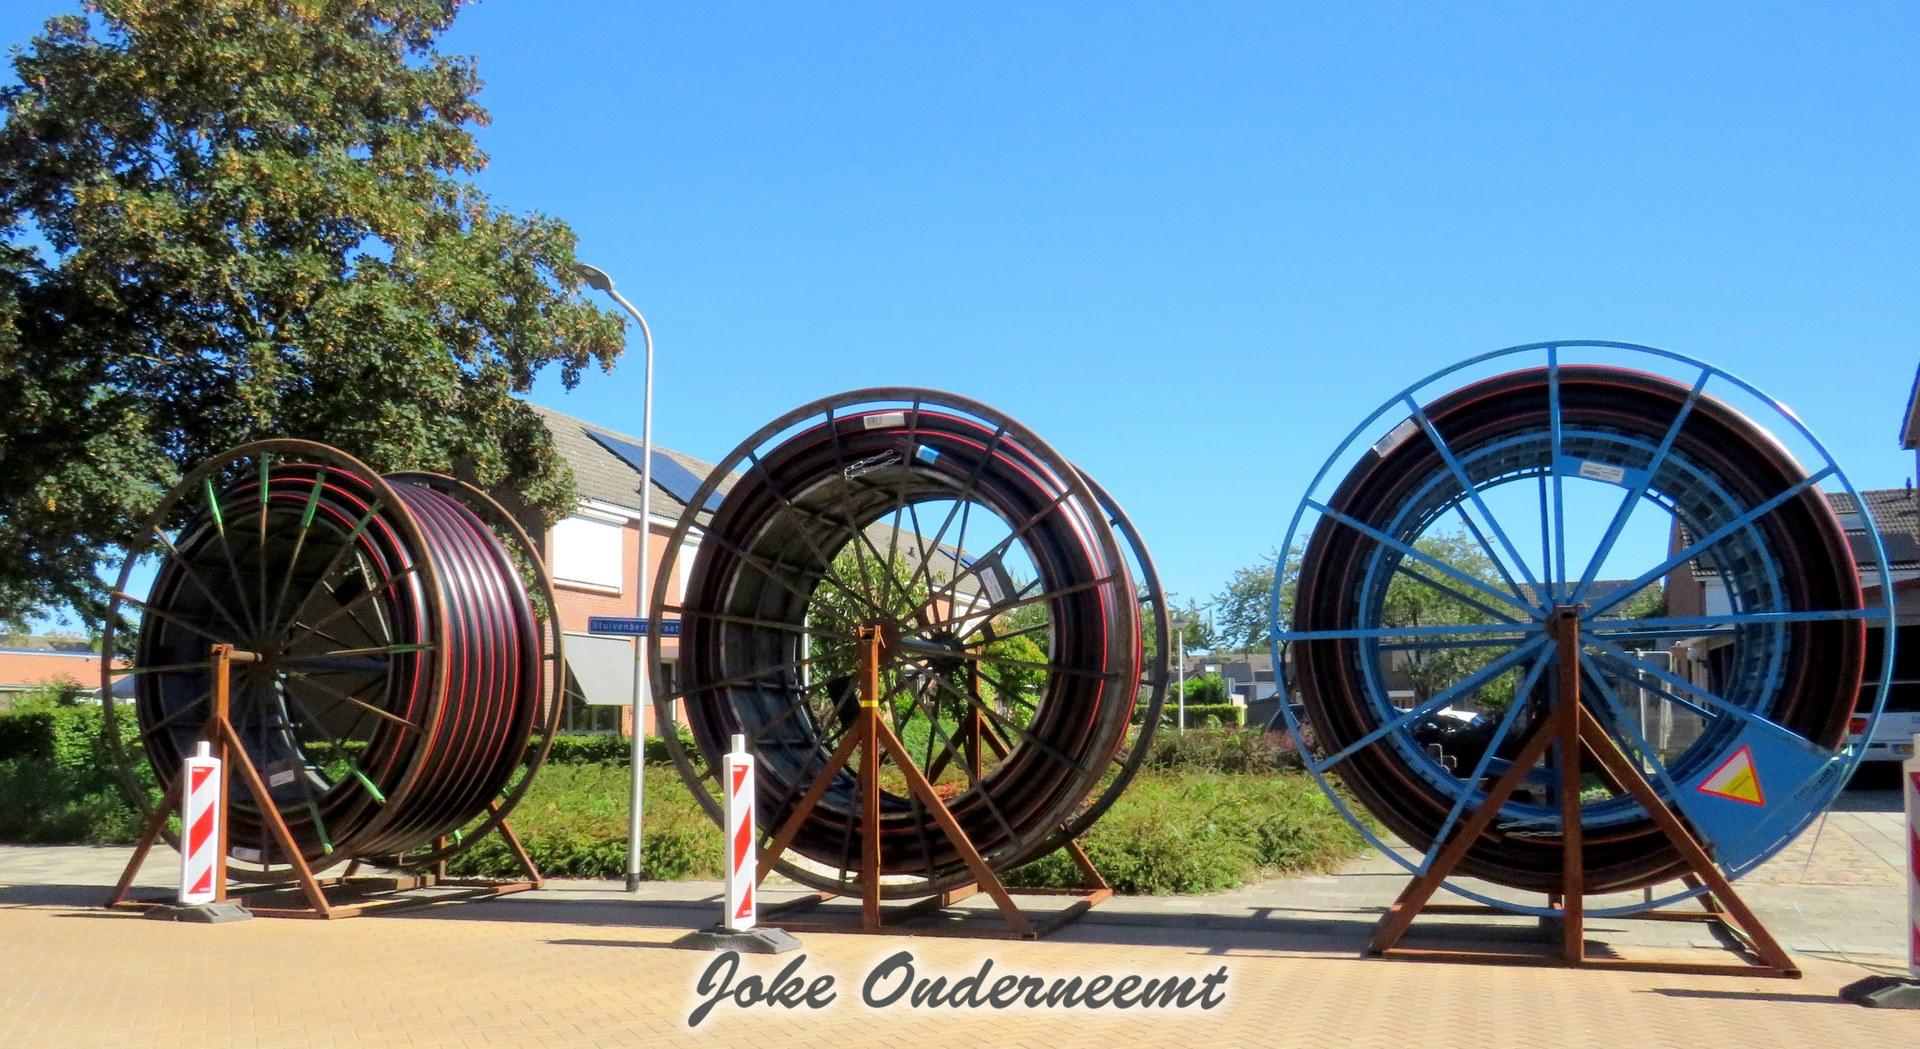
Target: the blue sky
pixel 1192 245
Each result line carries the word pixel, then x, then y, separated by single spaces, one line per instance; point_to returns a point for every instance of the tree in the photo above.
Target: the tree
pixel 1242 610
pixel 229 219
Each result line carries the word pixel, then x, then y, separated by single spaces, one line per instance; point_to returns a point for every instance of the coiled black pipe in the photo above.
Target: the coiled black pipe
pixel 833 484
pixel 399 697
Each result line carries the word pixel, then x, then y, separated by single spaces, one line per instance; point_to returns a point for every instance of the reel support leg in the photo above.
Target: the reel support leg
pixel 219 733
pixel 1583 743
pixel 876 740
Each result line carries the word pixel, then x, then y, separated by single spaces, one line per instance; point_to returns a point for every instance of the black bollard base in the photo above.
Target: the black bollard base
pixel 750 941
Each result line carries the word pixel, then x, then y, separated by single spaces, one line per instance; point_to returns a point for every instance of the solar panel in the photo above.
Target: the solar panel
pixel 670 476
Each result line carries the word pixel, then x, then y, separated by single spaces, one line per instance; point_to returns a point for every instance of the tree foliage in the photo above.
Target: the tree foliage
pixel 1242 609
pixel 229 219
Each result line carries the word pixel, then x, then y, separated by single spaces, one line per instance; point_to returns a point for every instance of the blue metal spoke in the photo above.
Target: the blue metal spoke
pixel 1558 581
pixel 1481 607
pixel 1364 633
pixel 1706 712
pixel 1730 621
pixel 1546 542
pixel 1440 699
pixel 1621 720
pixel 1381 537
pixel 1424 646
pixel 1708 697
pixel 1473 493
pixel 1486 758
pixel 1704 544
pixel 1499 564
pixel 1639 490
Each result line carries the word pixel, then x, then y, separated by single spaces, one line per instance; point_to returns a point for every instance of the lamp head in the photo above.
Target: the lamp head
pixel 595 277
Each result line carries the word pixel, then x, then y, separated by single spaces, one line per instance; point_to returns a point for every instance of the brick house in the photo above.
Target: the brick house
pixel 593 556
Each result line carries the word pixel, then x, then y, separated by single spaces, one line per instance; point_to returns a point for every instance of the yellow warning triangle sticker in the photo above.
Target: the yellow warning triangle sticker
pixel 1736 780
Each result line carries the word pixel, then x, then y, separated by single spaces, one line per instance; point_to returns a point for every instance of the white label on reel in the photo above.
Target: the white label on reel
pixel 1602 471
pixel 1396 437
pixel 883 419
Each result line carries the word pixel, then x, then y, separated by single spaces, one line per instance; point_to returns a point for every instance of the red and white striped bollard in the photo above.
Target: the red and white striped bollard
pixel 743 844
pixel 1911 781
pixel 200 816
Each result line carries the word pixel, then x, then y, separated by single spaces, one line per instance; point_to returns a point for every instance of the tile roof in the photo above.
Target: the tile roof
pixel 600 475
pixel 1896 515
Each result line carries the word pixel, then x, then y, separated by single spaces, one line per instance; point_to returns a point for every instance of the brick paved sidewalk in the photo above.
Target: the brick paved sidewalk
pixel 457 977
pixel 588 965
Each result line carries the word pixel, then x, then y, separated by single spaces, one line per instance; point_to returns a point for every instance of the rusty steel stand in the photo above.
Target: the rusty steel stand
pixel 225 743
pixel 875 739
pixel 1580 740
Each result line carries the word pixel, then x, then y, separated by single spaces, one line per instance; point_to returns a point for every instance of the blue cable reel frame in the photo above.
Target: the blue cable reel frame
pixel 1801 777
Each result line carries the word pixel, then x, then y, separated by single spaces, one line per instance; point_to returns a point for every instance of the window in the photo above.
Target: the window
pixel 587 550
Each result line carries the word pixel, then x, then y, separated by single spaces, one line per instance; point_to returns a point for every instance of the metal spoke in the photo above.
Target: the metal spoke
pixel 1559 580
pixel 1711 699
pixel 1625 511
pixel 900 495
pixel 1469 683
pixel 990 612
pixel 746 678
pixel 1407 550
pixel 177 713
pixel 1486 757
pixel 358 599
pixel 171 617
pixel 1472 493
pixel 930 650
pixel 1619 719
pixel 1448 630
pixel 355 700
pixel 685 612
pixel 1713 537
pixel 233 567
pixel 1456 596
pixel 1730 621
pixel 186 569
pixel 826 562
pixel 299 543
pixel 963 502
pixel 1006 544
pixel 339 555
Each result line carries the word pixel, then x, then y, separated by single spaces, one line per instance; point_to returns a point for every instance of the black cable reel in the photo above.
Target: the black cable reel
pixel 1023 636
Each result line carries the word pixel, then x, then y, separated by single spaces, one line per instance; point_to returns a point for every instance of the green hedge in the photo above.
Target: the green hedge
pixel 72 738
pixel 1196 832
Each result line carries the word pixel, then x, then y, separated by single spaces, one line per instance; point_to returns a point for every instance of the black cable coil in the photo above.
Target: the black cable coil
pixel 908 509
pixel 399 697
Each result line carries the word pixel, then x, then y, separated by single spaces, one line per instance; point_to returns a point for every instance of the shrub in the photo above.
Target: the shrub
pixel 1198 832
pixel 1222 750
pixel 49 804
pixel 609 748
pixel 573 822
pixel 1199 715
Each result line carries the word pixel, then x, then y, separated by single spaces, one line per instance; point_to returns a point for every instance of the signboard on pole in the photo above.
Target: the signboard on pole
pixel 743 843
pixel 630 626
pixel 200 816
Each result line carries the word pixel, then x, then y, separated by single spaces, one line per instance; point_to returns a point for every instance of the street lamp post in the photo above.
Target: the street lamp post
pixel 1180 722
pixel 643 643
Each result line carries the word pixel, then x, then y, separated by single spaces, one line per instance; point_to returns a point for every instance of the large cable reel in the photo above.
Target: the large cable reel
pixel 1023 633
pixel 401 686
pixel 1620 482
